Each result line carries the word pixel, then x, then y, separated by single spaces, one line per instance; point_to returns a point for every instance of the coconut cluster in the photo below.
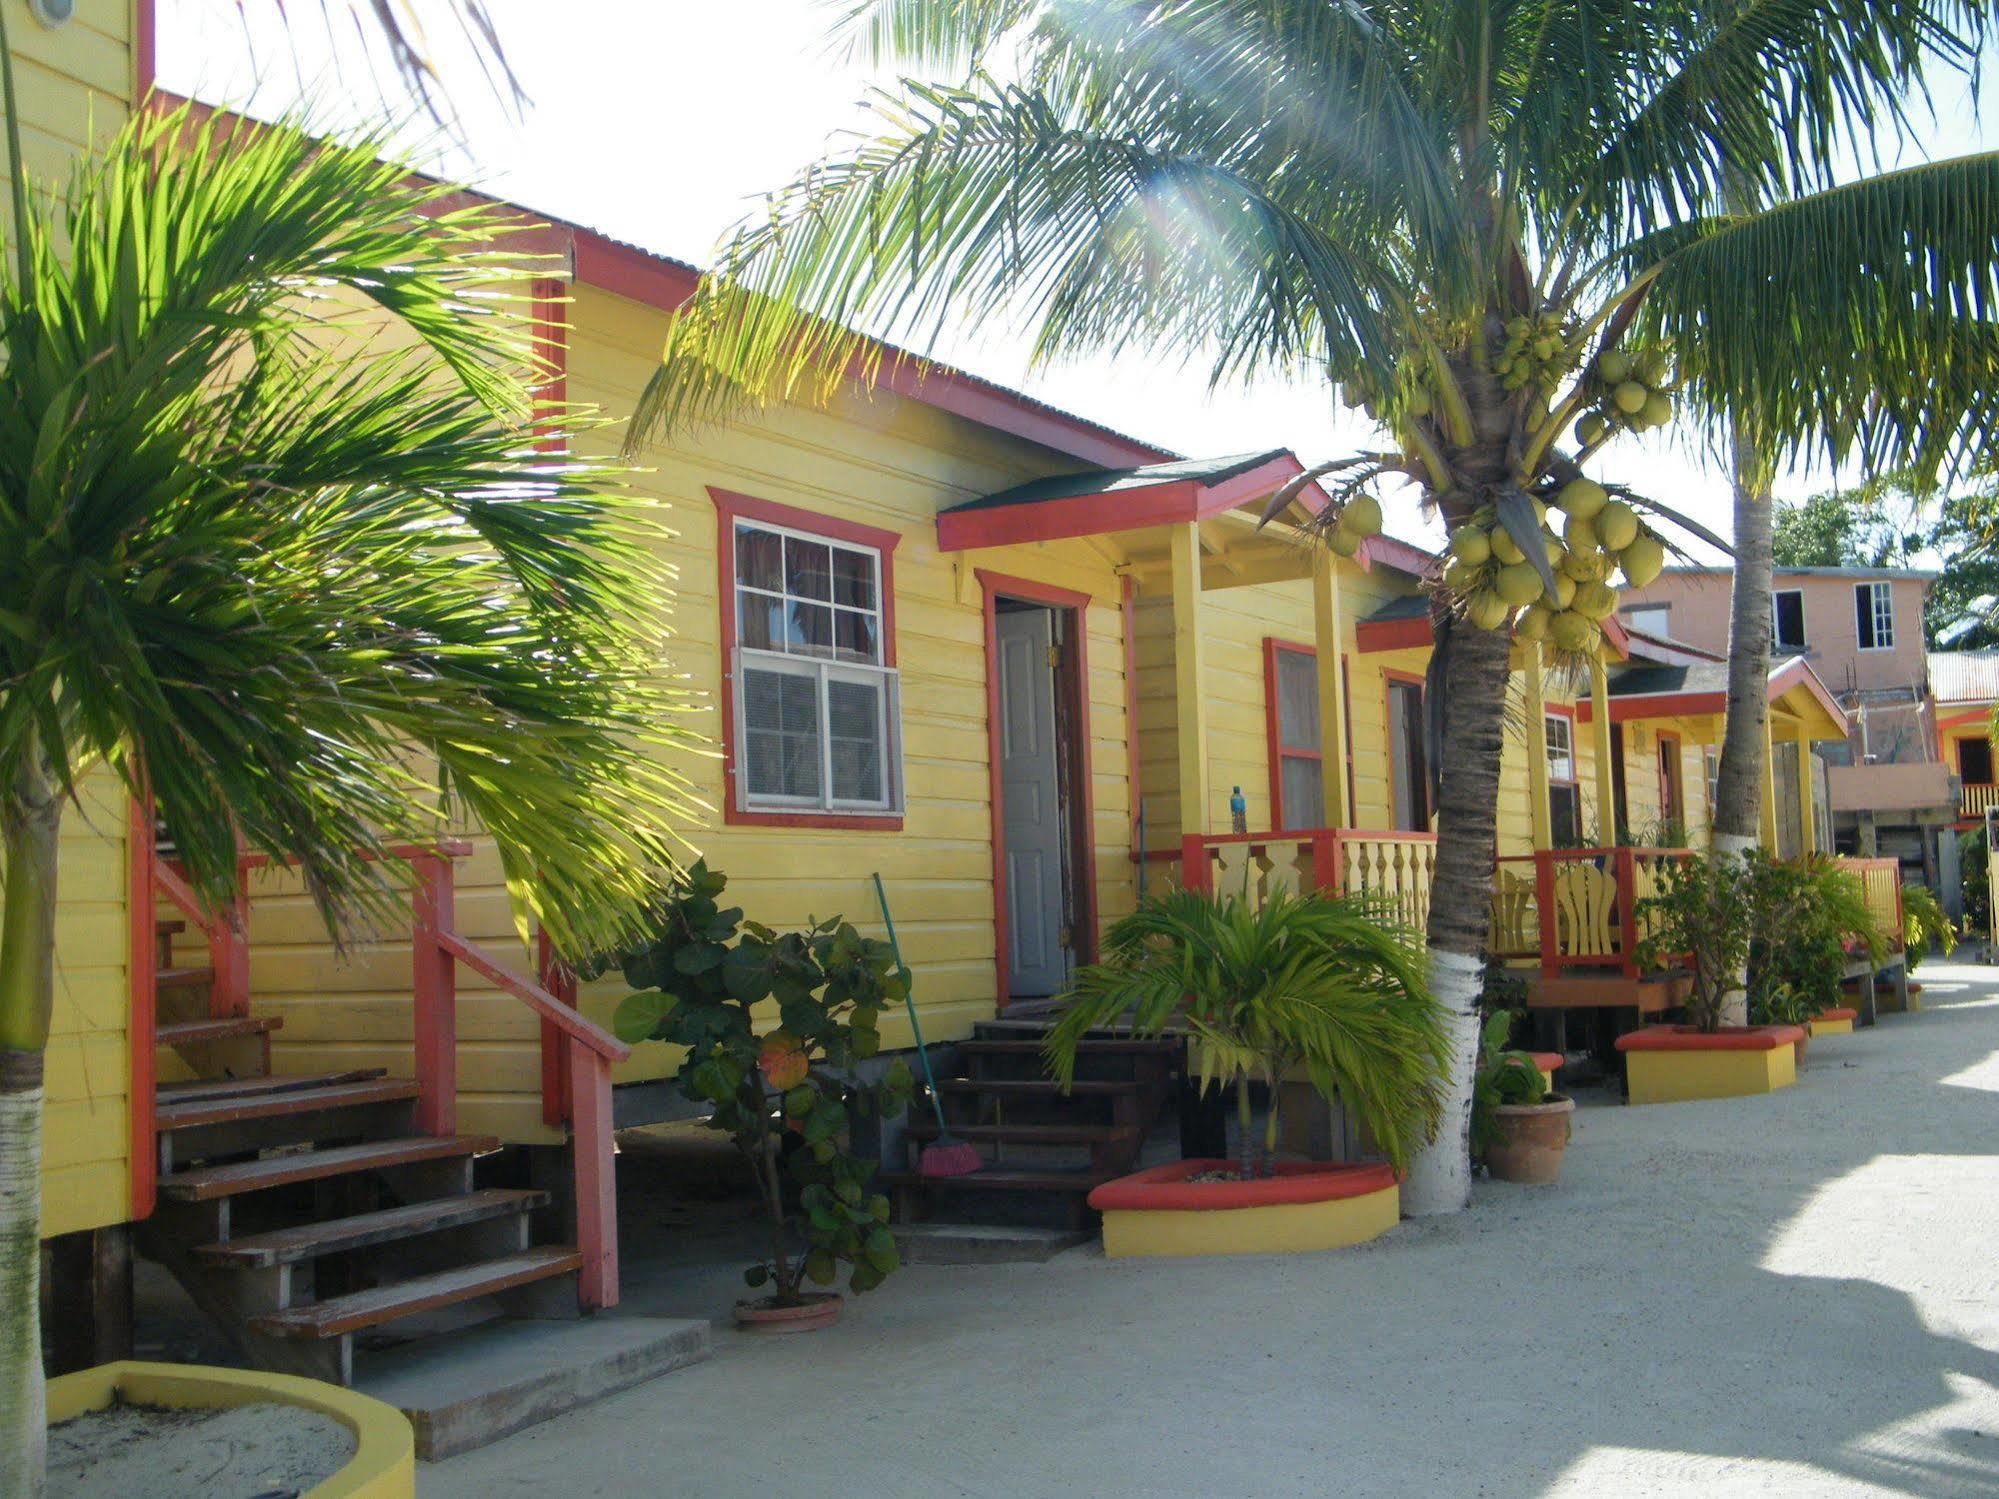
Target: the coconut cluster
pixel 1587 537
pixel 1359 519
pixel 1536 352
pixel 1632 391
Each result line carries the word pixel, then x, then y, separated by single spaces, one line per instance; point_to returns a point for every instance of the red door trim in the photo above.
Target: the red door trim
pixel 1083 825
pixel 141 972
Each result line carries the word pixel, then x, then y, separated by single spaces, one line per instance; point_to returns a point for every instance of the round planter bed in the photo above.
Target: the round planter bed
pixel 1305 1205
pixel 816 1309
pixel 1838 1022
pixel 381 1450
pixel 1675 1063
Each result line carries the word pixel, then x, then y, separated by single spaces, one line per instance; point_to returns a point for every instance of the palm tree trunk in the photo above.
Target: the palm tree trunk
pixel 1474 709
pixel 1738 800
pixel 27 995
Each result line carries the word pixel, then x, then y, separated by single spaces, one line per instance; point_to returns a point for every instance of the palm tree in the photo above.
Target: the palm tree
pixel 1330 985
pixel 281 545
pixel 1453 211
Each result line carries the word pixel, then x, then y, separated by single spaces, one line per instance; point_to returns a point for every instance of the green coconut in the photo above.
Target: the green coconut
pixel 1486 610
pixel 1470 545
pixel 1643 559
pixel 1613 366
pixel 1630 397
pixel 1533 623
pixel 1580 499
pixel 1459 575
pixel 1651 367
pixel 1519 584
pixel 1580 534
pixel 1565 591
pixel 1617 526
pixel 1658 409
pixel 1341 542
pixel 1572 631
pixel 1505 548
pixel 1595 601
pixel 1591 427
pixel 1362 515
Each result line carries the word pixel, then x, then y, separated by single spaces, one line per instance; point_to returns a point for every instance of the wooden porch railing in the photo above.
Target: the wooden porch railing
pixel 575 1089
pixel 1975 800
pixel 1393 868
pixel 1576 907
pixel 1882 880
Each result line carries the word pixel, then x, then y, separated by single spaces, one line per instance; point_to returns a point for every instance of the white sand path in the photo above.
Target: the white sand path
pixel 1788 1295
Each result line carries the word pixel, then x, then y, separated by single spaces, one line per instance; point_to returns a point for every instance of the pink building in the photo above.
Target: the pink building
pixel 1861 630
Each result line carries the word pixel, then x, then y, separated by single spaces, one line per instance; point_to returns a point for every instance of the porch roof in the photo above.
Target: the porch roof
pixel 1100 501
pixel 1697 689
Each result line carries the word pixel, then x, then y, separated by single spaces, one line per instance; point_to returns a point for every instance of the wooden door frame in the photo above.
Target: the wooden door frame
pixel 1677 776
pixel 1072 678
pixel 1390 677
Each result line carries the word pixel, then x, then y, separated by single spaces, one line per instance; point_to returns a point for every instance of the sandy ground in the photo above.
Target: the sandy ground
pixel 252 1450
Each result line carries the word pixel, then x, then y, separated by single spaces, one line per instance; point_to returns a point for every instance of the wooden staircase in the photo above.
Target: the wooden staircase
pixel 1045 1149
pixel 301 1211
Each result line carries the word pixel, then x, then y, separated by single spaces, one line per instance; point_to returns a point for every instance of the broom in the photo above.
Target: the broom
pixel 947 1157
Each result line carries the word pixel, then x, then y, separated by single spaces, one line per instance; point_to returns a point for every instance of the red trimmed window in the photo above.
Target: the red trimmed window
pixel 1565 797
pixel 812 717
pixel 1291 730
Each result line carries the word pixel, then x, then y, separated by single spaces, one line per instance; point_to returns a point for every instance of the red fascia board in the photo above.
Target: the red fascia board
pixel 1655 705
pixel 1800 674
pixel 1078 515
pixel 1968 716
pixel 1410 634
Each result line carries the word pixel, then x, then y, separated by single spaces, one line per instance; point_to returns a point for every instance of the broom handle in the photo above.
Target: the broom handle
pixel 909 1000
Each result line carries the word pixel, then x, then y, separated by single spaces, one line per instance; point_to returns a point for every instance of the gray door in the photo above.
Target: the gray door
pixel 1031 803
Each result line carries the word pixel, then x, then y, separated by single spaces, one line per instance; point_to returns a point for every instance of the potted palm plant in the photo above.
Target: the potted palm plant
pixel 1519 1124
pixel 1330 988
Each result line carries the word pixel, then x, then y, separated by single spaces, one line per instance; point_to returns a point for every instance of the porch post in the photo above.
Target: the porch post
pixel 1189 678
pixel 1606 780
pixel 1537 749
pixel 1332 701
pixel 1806 834
pixel 1769 790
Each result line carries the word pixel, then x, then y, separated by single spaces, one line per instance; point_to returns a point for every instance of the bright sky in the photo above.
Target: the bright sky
pixel 662 123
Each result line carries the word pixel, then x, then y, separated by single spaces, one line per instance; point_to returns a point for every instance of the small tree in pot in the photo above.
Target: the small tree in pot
pixel 1329 985
pixel 1518 1127
pixel 1703 916
pixel 705 979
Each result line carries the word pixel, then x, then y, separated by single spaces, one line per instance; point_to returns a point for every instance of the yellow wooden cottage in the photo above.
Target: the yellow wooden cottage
pixel 1021 665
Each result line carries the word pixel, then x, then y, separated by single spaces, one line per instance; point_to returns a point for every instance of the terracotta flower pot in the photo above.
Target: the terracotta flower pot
pixel 816 1309
pixel 1532 1137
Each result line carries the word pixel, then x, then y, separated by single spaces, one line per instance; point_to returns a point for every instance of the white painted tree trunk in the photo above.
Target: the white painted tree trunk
pixel 1735 1003
pixel 23 1424
pixel 1439 1179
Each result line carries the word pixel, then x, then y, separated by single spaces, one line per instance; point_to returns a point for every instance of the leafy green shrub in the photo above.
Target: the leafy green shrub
pixel 1332 985
pixel 1972 858
pixel 1924 922
pixel 1504 1076
pixel 1701 913
pixel 705 977
pixel 1804 912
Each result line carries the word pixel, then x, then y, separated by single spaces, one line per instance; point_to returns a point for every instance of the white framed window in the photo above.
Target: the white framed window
pixel 1565 802
pixel 1787 620
pixel 817 713
pixel 1561 747
pixel 1874 616
pixel 1653 619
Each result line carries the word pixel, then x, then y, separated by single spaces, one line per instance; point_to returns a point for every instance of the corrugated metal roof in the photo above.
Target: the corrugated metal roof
pixel 1110 480
pixel 1964 676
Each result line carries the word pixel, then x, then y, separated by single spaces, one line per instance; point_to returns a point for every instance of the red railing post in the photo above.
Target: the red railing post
pixel 1195 872
pixel 1328 857
pixel 1544 911
pixel 594 1163
pixel 228 934
pixel 1625 862
pixel 556 977
pixel 436 995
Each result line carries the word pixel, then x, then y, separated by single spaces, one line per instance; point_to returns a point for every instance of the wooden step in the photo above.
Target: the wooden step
pixel 287 1246
pixel 206 1183
pixel 1036 1087
pixel 249 1087
pixel 1027 1134
pixel 188 1114
pixel 371 1308
pixel 1005 1179
pixel 1113 1045
pixel 183 978
pixel 196 1032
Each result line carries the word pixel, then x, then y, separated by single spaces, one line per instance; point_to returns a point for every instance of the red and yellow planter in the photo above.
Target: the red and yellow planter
pixel 1304 1206
pixel 1676 1063
pixel 1835 1022
pixel 1545 1062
